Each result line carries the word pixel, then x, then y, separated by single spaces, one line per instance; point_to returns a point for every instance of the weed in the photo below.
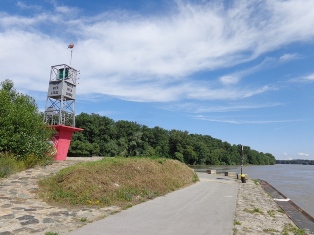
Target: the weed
pixel 84 219
pixel 236 222
pixel 256 182
pixel 147 194
pixel 195 178
pixel 271 213
pixel 272 230
pixel 235 231
pixel 255 210
pixel 9 165
pixel 106 200
pixel 30 161
pixel 115 212
pixel 51 233
pixel 281 211
pixel 96 202
pixel 247 210
pixel 127 207
pixel 290 228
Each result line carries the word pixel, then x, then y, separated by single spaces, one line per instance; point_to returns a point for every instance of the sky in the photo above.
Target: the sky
pixel 239 71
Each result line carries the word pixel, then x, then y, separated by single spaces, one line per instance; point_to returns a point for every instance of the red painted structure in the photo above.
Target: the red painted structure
pixel 62 140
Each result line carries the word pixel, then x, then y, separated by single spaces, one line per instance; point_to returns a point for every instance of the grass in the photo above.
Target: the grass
pixel 281 211
pixel 10 165
pixel 121 182
pixel 236 222
pixel 270 230
pixel 83 219
pixel 289 228
pixel 271 213
pixel 255 210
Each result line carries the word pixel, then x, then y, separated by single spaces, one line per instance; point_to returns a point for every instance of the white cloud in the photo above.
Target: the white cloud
pixel 303 154
pixel 304 79
pixel 288 57
pixel 309 77
pixel 240 120
pixel 231 107
pixel 23 5
pixel 142 58
pixel 229 80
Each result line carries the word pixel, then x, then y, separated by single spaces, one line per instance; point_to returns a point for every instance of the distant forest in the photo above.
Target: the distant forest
pixel 296 161
pixel 103 136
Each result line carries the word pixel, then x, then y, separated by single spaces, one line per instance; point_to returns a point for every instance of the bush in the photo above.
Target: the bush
pixel 22 130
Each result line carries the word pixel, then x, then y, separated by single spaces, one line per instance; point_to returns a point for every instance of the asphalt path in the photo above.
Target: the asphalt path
pixel 207 207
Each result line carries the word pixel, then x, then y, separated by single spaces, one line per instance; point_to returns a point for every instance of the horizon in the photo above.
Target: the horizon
pixel 241 72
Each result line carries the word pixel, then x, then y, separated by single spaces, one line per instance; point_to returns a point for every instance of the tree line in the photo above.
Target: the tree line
pixel 103 136
pixel 296 161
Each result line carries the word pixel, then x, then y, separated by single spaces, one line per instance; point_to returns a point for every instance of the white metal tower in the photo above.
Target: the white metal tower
pixel 60 103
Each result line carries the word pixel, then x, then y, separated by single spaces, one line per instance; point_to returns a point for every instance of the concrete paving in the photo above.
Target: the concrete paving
pixel 207 207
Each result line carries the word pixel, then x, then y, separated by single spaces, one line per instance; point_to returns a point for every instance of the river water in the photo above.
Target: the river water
pixel 294 181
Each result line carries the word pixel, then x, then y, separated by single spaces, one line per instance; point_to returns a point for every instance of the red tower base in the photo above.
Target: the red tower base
pixel 62 140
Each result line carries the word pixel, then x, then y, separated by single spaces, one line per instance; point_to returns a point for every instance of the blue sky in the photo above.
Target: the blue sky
pixel 240 71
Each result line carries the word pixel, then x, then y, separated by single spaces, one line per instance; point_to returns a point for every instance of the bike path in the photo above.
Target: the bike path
pixel 206 207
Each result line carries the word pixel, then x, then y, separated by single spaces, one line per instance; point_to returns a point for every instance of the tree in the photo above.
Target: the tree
pixel 22 131
pixel 128 139
pixel 158 139
pixel 83 149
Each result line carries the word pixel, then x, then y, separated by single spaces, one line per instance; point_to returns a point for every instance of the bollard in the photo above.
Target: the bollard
pixel 243 180
pixel 211 171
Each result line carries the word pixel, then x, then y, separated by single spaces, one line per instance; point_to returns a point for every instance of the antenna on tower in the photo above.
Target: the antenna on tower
pixel 71 45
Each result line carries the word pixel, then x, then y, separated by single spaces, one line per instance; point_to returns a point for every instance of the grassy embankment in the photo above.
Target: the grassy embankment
pixel 121 182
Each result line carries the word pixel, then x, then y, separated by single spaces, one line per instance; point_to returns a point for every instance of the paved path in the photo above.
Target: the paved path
pixel 207 207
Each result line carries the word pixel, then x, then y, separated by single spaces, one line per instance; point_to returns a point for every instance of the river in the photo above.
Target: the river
pixel 294 181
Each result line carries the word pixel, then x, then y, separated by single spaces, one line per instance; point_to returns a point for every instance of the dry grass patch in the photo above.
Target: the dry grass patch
pixel 119 181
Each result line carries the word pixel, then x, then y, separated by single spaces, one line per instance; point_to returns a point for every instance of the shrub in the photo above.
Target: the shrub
pixel 22 130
